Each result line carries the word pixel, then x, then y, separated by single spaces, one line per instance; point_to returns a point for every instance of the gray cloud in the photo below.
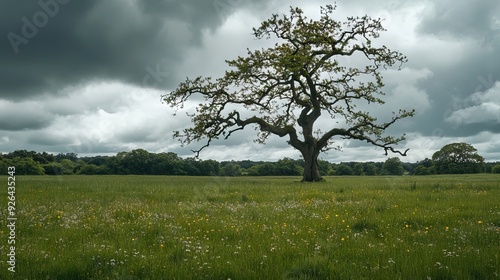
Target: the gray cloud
pixel 48 140
pixel 22 116
pixel 478 19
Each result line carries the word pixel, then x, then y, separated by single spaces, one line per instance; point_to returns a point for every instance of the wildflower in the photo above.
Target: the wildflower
pixel 438 265
pixel 479 222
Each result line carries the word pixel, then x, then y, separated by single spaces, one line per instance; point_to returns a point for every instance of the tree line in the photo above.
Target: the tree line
pixel 142 162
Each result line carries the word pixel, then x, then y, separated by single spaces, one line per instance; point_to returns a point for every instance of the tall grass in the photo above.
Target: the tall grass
pixel 153 227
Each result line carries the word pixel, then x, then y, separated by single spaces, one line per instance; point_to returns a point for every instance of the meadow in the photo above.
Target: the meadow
pixel 159 227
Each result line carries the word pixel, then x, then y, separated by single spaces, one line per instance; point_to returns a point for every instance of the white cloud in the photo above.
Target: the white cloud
pixel 485 110
pixel 405 93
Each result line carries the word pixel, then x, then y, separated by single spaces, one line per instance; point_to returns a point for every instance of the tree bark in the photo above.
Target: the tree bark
pixel 311 167
pixel 309 148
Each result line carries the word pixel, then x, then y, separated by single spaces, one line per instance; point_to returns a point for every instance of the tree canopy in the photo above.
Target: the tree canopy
pixel 393 166
pixel 458 158
pixel 283 90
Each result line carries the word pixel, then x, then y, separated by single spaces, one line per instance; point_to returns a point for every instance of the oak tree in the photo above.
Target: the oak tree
pixel 458 158
pixel 284 89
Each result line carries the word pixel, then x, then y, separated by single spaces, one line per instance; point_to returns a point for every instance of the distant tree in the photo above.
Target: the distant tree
pixel 136 162
pixel 230 169
pixel 421 170
pixel 67 167
pixel 245 164
pixel 52 168
pixel 408 167
pixel 289 86
pixel 458 158
pixel 426 162
pixel 21 154
pixel 92 169
pixel 343 170
pixel 79 164
pixel 166 164
pixel 263 169
pixel 324 167
pixel 424 167
pixel 496 169
pixel 189 166
pixel 288 167
pixel 393 166
pixel 209 167
pixel 370 169
pixel 253 171
pixel 70 156
pixel 43 158
pixel 114 163
pixel 96 160
pixel 4 164
pixel 358 169
pixel 27 166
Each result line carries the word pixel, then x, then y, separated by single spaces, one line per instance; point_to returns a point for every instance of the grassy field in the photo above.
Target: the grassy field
pixel 152 227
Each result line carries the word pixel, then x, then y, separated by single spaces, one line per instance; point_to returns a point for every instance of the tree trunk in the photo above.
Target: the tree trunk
pixel 311 170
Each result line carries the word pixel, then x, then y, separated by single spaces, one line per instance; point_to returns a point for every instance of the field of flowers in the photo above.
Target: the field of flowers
pixel 153 227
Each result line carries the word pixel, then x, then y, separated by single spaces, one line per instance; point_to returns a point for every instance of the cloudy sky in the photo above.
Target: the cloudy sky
pixel 86 76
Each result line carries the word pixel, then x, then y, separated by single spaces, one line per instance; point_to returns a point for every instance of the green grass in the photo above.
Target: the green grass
pixel 153 227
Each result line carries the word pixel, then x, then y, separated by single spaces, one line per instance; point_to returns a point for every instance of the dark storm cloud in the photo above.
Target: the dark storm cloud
pixel 50 44
pixel 475 24
pixel 23 123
